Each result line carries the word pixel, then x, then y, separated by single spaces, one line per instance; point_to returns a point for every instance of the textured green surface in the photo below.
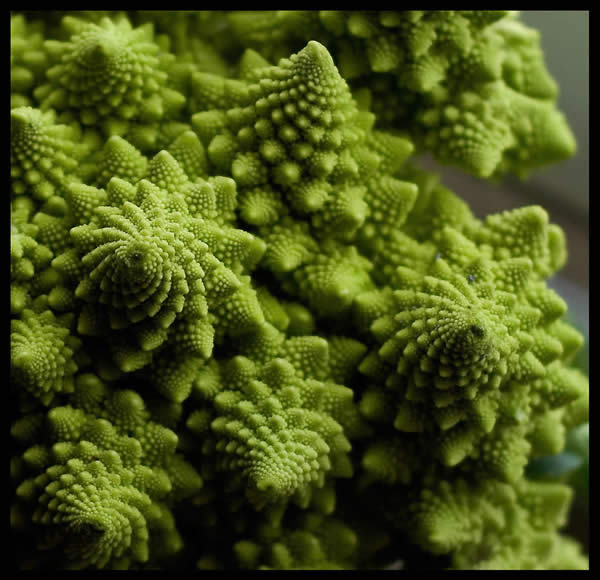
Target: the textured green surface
pixel 247 333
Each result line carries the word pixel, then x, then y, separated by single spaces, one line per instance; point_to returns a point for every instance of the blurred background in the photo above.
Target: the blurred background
pixel 563 190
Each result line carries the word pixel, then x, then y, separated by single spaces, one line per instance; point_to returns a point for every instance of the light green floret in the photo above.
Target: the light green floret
pixel 275 435
pixel 295 129
pixel 119 158
pixel 434 209
pixel 530 541
pixel 468 341
pixel 44 155
pixel 283 130
pixel 561 402
pixel 30 275
pixel 333 279
pixel 470 86
pixel 102 484
pixel 246 332
pixel 140 267
pixel 196 39
pixel 275 419
pixel 152 261
pixel 523 232
pixel 495 110
pixel 418 46
pixel 109 74
pixel 103 517
pixel 43 354
pixel 523 67
pixel 195 36
pixel 495 130
pixel 291 135
pixel 28 60
pixel 490 525
pixel 567 554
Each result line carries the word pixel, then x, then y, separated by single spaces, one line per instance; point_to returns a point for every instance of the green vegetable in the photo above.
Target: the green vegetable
pixel 247 330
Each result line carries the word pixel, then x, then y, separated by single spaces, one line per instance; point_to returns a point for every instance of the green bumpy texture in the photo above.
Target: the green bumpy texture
pixel 108 73
pixel 292 131
pixel 247 331
pixel 44 155
pixel 491 526
pixel 315 543
pixel 279 421
pixel 471 86
pixel 139 267
pixel 42 350
pixel 103 481
pixel 28 59
pixel 474 345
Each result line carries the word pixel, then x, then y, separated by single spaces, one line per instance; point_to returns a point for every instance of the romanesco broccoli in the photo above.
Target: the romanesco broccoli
pixel 248 331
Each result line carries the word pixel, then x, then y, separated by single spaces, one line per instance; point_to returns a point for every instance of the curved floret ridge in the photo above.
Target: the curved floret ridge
pixel 137 275
pixel 248 331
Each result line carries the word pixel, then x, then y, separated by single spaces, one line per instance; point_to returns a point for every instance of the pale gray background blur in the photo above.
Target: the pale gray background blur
pixel 562 189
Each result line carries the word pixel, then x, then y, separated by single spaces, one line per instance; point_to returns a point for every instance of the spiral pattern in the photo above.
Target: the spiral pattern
pixel 41 354
pixel 142 271
pixel 286 133
pixel 102 514
pixel 109 70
